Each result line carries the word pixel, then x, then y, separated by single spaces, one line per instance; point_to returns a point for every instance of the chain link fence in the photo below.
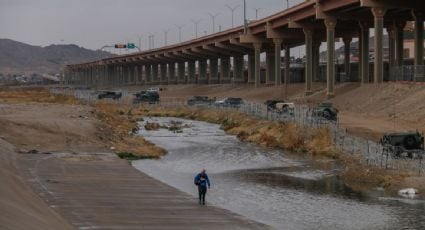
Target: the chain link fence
pixel 372 153
pixel 408 73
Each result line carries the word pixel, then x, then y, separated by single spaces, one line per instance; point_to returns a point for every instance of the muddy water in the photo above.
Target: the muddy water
pixel 270 186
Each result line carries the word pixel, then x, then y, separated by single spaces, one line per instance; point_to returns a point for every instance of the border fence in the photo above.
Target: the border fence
pixel 408 73
pixel 371 152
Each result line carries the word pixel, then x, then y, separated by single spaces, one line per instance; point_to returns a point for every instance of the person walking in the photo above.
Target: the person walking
pixel 202 180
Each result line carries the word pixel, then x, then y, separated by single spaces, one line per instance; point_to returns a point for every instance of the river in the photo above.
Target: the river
pixel 270 186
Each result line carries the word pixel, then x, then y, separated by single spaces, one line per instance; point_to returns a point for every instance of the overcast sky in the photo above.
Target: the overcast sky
pixel 95 23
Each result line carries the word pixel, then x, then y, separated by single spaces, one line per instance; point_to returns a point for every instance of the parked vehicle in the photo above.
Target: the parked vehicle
pixel 200 100
pixel 405 143
pixel 326 111
pixel 155 89
pixel 109 94
pixel 271 104
pixel 151 97
pixel 230 102
pixel 285 108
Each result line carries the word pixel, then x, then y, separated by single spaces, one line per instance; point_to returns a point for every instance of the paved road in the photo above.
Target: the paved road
pixel 103 192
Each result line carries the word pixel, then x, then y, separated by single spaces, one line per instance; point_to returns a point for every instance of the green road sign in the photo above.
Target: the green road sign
pixel 131 46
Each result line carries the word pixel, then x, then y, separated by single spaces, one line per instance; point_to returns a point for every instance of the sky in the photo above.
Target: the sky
pixel 95 23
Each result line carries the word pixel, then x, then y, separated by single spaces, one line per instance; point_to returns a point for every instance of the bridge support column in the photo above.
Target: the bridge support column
pixel 347 51
pixel 213 79
pixel 378 14
pixel 202 78
pixel 309 60
pixel 238 69
pixel 330 40
pixel 191 65
pixel 257 49
pixel 287 69
pixel 171 73
pixel 419 46
pixel 251 68
pixel 181 73
pixel 270 67
pixel 163 75
pixel 399 43
pixel 224 70
pixel 364 51
pixel 155 74
pixel 316 60
pixel 278 59
pixel 391 43
pixel 149 73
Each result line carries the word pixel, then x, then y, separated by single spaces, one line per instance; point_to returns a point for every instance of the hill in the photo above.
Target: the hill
pixel 21 58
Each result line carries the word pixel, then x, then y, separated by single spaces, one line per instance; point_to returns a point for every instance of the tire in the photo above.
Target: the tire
pixel 327 115
pixel 409 142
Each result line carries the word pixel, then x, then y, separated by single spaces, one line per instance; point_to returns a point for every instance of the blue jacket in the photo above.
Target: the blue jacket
pixel 202 180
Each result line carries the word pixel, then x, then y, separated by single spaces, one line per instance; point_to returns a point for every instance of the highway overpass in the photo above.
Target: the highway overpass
pixel 207 60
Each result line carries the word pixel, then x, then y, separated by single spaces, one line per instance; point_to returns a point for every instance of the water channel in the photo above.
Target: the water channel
pixel 270 186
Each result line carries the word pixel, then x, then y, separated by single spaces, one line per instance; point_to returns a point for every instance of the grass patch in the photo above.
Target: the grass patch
pixel 33 94
pixel 133 157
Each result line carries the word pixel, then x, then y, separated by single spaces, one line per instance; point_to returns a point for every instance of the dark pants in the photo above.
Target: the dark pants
pixel 202 192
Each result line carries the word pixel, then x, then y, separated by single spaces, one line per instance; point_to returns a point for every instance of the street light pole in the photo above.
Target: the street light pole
pixel 140 43
pixel 180 27
pixel 233 11
pixel 287 4
pixel 196 22
pixel 213 16
pixel 245 29
pixel 166 36
pixel 256 13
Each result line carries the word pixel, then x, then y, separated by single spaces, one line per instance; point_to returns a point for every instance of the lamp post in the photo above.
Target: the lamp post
pixel 166 36
pixel 287 4
pixel 196 22
pixel 213 16
pixel 245 29
pixel 233 11
pixel 180 27
pixel 140 43
pixel 256 13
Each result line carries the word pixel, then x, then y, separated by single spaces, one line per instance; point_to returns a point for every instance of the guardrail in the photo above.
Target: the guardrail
pixel 373 153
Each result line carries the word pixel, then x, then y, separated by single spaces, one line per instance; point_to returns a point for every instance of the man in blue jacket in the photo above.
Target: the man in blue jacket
pixel 201 180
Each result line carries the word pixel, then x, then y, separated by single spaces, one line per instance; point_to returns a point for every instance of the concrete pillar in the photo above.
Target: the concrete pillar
pixel 251 68
pixel 347 51
pixel 155 74
pixel 287 69
pixel 330 41
pixel 257 48
pixel 309 60
pixel 391 45
pixel 224 70
pixel 191 65
pixel 278 59
pixel 399 43
pixel 202 79
pixel 364 58
pixel 181 73
pixel 163 69
pixel 419 46
pixel 171 78
pixel 238 69
pixel 149 73
pixel 270 68
pixel 378 14
pixel 213 71
pixel 316 60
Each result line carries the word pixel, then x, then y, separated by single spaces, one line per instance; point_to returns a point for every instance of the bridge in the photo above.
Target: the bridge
pixel 226 56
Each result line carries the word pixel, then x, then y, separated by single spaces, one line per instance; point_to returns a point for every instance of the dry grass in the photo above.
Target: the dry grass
pixel 117 128
pixel 33 94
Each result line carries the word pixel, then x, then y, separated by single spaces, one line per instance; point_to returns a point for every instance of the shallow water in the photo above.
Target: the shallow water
pixel 270 186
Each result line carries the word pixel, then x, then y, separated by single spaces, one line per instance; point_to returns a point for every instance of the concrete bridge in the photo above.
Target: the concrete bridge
pixel 309 23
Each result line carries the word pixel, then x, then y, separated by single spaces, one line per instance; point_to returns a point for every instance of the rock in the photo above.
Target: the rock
pixel 112 148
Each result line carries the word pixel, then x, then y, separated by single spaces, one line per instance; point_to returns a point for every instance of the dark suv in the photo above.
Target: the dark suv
pixel 151 97
pixel 109 94
pixel 326 111
pixel 406 142
pixel 230 102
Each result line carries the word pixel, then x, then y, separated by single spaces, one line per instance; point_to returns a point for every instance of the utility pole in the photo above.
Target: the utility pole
pixel 256 13
pixel 233 11
pixel 287 4
pixel 140 43
pixel 196 22
pixel 166 36
pixel 180 27
pixel 152 40
pixel 213 16
pixel 245 29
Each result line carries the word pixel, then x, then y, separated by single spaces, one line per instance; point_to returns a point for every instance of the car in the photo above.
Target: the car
pixel 326 111
pixel 285 108
pixel 230 102
pixel 403 142
pixel 200 100
pixel 151 97
pixel 109 94
pixel 271 104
